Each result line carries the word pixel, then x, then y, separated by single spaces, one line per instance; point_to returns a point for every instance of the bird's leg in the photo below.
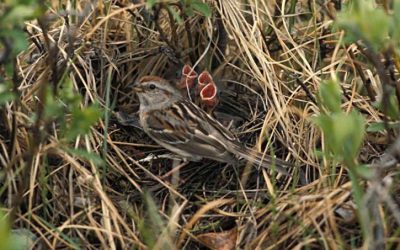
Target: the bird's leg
pixel 172 171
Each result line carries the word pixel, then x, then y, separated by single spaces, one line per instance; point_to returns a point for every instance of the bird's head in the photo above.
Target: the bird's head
pixel 155 92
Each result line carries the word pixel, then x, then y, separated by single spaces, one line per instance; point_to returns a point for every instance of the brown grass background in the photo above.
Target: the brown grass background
pixel 275 55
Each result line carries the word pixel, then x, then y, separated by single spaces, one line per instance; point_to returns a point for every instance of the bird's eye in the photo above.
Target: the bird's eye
pixel 152 86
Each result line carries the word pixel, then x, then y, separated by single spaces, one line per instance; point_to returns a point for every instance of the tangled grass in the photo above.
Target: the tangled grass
pixel 101 190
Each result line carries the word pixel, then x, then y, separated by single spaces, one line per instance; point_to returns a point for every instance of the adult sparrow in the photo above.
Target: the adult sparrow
pixel 183 128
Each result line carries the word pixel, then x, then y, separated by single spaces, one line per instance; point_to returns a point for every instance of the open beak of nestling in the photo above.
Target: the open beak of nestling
pixel 188 76
pixel 204 79
pixel 208 95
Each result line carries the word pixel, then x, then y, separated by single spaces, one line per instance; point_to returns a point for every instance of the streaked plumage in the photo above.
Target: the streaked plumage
pixel 183 128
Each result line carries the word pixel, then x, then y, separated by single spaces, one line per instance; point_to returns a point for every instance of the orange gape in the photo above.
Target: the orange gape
pixel 204 79
pixel 207 90
pixel 208 95
pixel 187 78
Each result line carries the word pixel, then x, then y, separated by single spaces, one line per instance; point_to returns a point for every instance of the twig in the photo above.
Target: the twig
pixel 189 34
pixel 170 54
pixel 52 53
pixel 222 38
pixel 143 12
pixel 34 40
pixel 367 82
pixel 390 158
pixel 70 38
pixel 13 134
pixel 36 135
pixel 374 58
pixel 308 92
pixel 392 77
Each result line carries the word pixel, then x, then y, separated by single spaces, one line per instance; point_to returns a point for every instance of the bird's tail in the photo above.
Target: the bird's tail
pixel 264 160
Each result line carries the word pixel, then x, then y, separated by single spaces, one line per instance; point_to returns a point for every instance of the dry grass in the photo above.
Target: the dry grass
pixel 69 201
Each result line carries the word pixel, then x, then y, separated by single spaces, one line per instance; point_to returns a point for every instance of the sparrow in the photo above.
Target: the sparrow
pixel 182 127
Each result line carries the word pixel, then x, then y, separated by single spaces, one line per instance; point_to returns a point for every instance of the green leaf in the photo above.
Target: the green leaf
pixel 330 96
pixel 153 225
pixel 342 128
pixel 6 95
pixel 68 94
pixel 358 24
pixel 365 171
pixel 376 127
pixel 22 239
pixel 153 213
pixel 175 14
pixel 343 133
pixel 392 107
pixel 82 120
pixel 326 125
pixel 4 231
pixel 52 112
pixel 201 7
pixel 347 134
pixel 189 11
pixel 319 154
pixel 18 38
pixel 53 109
pixel 394 30
pixel 20 2
pixel 150 4
pixel 18 14
pixel 356 136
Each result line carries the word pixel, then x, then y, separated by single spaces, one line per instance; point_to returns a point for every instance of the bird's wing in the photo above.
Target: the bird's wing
pixel 188 128
pixel 219 133
pixel 208 123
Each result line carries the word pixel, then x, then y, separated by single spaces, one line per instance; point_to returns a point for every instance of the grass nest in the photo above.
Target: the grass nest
pixel 103 190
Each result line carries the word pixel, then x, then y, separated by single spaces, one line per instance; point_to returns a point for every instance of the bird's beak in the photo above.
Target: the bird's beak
pixel 137 88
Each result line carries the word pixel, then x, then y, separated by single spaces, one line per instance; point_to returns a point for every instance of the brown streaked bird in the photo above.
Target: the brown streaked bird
pixel 185 129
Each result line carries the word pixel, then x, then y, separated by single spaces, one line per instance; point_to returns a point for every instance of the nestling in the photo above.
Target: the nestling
pixel 185 129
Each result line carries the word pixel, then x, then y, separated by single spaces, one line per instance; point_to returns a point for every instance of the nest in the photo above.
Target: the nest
pixel 67 199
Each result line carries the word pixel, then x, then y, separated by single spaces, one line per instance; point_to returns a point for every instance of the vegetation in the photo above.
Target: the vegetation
pixel 315 83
